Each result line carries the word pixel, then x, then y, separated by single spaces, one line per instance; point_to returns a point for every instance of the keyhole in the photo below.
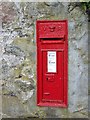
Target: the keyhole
pixel 47 78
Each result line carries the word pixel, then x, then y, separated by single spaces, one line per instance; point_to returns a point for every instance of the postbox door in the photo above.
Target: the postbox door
pixel 52 63
pixel 52 76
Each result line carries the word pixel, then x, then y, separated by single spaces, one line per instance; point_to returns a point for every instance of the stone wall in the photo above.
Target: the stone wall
pixel 18 58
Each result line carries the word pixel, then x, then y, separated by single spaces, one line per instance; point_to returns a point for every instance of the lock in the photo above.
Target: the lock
pixel 52 63
pixel 50 79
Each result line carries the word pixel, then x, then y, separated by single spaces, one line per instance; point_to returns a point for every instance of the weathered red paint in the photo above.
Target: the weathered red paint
pixel 52 87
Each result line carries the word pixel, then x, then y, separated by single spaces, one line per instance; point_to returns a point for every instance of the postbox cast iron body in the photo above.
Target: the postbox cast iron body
pixel 52 63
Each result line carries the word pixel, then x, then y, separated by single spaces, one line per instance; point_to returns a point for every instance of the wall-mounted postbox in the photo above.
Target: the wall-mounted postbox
pixel 52 61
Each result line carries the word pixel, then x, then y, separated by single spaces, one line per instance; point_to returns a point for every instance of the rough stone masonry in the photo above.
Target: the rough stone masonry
pixel 18 58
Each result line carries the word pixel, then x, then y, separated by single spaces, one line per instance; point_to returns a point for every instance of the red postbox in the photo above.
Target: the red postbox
pixel 52 62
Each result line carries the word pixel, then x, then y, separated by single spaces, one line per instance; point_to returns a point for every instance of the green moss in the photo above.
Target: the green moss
pixel 26 45
pixel 85 61
pixel 39 113
pixel 21 41
pixel 5 91
pixel 41 5
pixel 19 75
pixel 25 78
pixel 26 62
pixel 17 72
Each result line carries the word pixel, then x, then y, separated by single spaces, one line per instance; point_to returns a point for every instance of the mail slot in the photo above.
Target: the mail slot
pixel 52 63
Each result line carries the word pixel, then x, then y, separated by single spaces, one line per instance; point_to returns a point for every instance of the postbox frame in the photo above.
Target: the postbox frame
pixel 39 81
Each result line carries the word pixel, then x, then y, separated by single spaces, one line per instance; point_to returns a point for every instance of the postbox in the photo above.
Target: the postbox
pixel 52 63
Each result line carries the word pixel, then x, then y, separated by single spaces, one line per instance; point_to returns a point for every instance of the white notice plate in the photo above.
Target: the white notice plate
pixel 51 61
